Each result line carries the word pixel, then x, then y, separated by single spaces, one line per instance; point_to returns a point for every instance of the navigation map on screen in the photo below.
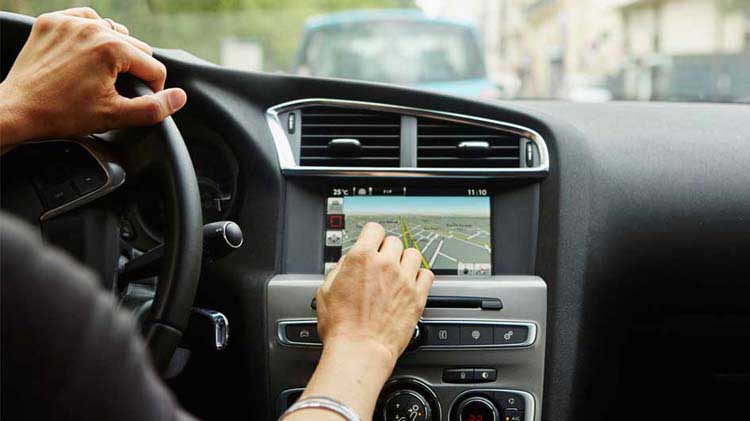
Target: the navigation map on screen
pixel 451 232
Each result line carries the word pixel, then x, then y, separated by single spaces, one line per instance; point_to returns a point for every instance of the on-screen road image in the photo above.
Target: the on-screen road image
pixel 454 230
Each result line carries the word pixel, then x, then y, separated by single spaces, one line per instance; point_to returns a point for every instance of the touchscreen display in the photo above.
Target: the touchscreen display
pixel 451 231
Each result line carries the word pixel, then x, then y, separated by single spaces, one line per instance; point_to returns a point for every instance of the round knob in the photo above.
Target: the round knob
pixel 221 238
pixel 478 408
pixel 406 405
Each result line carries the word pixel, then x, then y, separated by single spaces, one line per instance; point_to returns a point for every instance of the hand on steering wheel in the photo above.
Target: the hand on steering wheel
pixel 63 81
pixel 62 84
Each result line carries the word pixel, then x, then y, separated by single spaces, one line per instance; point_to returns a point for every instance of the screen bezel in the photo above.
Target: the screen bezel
pixel 422 191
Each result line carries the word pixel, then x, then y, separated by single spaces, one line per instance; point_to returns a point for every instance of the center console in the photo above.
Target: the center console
pixel 466 363
pixel 477 353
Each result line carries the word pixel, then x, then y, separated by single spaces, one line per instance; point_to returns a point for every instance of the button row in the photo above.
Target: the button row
pixel 469 375
pixel 435 334
pixel 475 334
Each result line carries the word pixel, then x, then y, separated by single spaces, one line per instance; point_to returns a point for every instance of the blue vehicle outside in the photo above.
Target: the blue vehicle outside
pixel 400 46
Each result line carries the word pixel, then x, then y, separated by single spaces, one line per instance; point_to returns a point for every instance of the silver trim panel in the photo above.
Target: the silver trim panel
pixel 290 167
pixel 114 172
pixel 531 338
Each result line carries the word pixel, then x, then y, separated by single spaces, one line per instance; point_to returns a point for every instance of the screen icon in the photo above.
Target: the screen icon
pixel 482 269
pixel 336 222
pixel 333 238
pixel 335 205
pixel 327 267
pixel 465 269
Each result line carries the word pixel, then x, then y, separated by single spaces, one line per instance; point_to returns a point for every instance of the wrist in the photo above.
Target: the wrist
pixel 15 121
pixel 352 370
pixel 361 347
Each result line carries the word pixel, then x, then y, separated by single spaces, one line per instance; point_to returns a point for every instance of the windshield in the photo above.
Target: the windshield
pixel 399 52
pixel 583 50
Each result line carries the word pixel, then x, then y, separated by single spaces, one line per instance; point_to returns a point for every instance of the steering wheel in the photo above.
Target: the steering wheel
pixel 180 266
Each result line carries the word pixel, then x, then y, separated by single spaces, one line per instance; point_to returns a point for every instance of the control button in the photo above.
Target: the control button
pixel 58 195
pixel 407 405
pixel 465 269
pixel 335 205
pixel 458 375
pixel 303 333
pixel 510 400
pixel 477 408
pixel 291 123
pixel 336 222
pixel 509 335
pixel 442 334
pixel 87 182
pixel 529 154
pixel 482 269
pixel 334 238
pixel 512 415
pixel 485 375
pixel 476 335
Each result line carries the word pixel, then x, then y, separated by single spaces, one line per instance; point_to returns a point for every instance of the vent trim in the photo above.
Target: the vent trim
pixel 290 167
pixel 342 136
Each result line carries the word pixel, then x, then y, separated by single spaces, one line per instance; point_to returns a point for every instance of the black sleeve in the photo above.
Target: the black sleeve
pixel 67 353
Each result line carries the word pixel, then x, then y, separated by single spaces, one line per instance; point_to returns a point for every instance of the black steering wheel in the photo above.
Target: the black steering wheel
pixel 183 237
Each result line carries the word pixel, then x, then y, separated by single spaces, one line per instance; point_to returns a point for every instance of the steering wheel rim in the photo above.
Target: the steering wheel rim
pixel 183 242
pixel 183 237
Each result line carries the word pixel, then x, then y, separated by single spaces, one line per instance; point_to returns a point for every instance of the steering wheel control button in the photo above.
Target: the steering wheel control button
pixel 510 335
pixel 458 375
pixel 476 335
pixel 485 375
pixel 58 195
pixel 406 405
pixel 510 401
pixel 478 408
pixel 88 181
pixel 303 333
pixel 442 335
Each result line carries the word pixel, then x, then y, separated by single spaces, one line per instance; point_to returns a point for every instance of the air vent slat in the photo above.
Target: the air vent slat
pixel 438 145
pixel 377 133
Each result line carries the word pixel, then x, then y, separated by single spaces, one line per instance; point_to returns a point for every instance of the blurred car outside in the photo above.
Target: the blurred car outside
pixel 399 46
pixel 585 88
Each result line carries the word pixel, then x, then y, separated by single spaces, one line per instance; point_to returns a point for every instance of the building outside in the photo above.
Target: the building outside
pixel 611 49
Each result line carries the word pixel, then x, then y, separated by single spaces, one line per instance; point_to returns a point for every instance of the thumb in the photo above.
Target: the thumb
pixel 148 110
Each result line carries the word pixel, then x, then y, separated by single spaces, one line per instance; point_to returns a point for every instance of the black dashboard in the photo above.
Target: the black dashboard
pixel 617 239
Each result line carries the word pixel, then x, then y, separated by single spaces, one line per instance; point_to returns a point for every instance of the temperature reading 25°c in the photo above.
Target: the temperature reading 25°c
pixel 476 192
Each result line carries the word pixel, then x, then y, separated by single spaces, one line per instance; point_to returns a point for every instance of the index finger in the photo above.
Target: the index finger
pixel 144 67
pixel 371 237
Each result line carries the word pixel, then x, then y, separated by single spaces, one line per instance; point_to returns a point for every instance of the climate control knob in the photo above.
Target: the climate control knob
pixel 406 405
pixel 477 408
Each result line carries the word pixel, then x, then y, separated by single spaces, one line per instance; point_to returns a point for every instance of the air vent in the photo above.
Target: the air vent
pixel 448 144
pixel 348 137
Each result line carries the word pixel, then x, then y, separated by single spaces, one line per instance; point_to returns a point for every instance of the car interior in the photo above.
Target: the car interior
pixel 614 241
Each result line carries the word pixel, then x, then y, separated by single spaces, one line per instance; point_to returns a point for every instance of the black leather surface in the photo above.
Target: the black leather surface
pixel 183 243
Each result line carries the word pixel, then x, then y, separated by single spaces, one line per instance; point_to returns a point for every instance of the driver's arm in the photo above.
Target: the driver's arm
pixel 72 354
pixel 66 353
pixel 63 81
